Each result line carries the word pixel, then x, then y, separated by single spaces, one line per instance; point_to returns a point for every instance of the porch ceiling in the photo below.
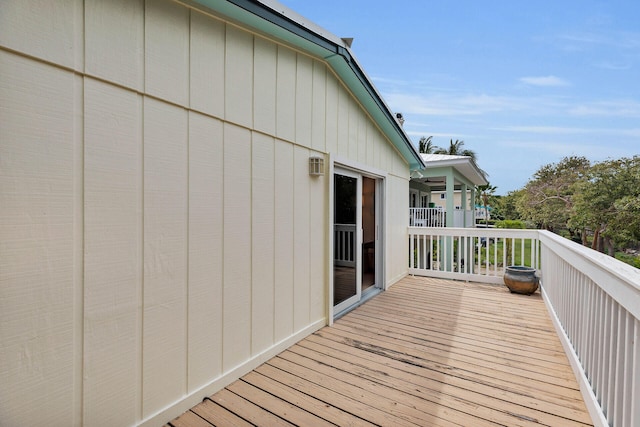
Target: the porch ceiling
pixel 425 352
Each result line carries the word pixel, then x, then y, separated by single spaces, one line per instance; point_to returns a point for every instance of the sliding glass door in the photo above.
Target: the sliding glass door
pixel 356 241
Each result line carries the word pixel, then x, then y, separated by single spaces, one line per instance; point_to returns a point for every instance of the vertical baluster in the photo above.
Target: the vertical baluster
pixel 634 374
pixel 611 349
pixel 627 387
pixel 495 256
pixel 412 260
pixel 618 378
pixel 431 253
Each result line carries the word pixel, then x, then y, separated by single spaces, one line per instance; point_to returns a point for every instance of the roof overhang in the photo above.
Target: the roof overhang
pixel 277 21
pixel 437 165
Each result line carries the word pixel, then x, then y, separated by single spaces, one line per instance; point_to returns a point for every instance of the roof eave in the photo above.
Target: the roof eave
pixel 275 20
pixel 465 165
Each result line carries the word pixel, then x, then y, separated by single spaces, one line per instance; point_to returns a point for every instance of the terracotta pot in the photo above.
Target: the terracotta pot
pixel 521 279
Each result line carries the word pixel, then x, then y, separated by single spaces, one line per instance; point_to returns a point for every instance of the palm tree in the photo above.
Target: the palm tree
pixel 455 149
pixel 485 192
pixel 426 145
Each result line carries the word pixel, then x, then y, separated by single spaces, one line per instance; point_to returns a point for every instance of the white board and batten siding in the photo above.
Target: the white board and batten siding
pixel 159 232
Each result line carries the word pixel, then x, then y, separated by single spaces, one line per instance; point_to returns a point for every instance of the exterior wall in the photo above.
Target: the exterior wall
pixel 457 199
pixel 160 233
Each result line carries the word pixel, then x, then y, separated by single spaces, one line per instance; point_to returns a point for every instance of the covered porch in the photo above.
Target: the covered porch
pixel 428 351
pixel 443 193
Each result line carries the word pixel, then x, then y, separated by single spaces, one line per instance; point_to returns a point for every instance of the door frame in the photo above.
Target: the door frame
pixel 352 167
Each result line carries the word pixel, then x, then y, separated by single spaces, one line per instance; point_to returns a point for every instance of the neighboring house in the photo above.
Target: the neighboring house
pixel 483 213
pixel 439 198
pixel 187 189
pixel 443 193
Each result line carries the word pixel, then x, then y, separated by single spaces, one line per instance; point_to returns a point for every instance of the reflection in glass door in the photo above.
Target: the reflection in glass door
pixel 345 238
pixel 369 232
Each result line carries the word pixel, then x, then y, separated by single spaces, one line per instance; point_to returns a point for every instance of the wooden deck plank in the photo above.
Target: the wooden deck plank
pixel 463 361
pixel 277 406
pixel 350 404
pixel 414 407
pixel 216 415
pixel 247 410
pixel 190 419
pixel 432 360
pixel 309 403
pixel 529 367
pixel 426 352
pixel 410 373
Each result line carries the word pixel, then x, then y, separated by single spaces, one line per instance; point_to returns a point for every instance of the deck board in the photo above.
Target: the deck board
pixel 428 352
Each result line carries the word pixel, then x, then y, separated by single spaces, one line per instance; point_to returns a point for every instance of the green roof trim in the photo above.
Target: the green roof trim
pixel 262 18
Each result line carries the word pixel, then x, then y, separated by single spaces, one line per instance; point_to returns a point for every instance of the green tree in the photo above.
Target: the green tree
pixel 426 145
pixel 547 199
pixel 485 195
pixel 508 205
pixel 607 202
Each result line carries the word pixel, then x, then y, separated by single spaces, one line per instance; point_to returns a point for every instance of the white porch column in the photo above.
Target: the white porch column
pixel 473 204
pixel 463 204
pixel 450 201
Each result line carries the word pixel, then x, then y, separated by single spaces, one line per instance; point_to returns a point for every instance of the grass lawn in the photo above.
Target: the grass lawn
pixel 514 249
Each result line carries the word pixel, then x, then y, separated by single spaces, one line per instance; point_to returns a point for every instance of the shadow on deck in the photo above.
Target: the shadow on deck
pixel 427 352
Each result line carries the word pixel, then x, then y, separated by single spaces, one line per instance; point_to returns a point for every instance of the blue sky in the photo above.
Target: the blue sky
pixel 523 83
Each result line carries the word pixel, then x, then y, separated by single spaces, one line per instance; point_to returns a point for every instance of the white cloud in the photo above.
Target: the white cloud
pixel 560 130
pixel 621 108
pixel 544 129
pixel 614 66
pixel 545 81
pixel 448 104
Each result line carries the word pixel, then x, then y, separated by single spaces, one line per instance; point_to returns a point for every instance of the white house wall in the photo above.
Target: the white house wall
pixel 159 231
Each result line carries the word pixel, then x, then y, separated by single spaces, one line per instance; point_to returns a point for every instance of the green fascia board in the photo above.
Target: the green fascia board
pixel 267 21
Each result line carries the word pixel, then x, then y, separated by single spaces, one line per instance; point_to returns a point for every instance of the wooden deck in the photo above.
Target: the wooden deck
pixel 427 352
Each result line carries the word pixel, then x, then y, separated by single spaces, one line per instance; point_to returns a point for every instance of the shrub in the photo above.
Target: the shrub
pixel 511 223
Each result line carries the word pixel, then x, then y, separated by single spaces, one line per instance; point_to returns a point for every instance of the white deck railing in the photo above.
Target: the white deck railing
pixel 594 301
pixel 427 217
pixel 476 254
pixel 344 250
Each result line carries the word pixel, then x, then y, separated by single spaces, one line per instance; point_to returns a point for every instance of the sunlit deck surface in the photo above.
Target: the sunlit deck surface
pixel 427 352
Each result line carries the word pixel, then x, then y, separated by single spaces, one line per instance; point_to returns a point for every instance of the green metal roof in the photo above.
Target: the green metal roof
pixel 296 32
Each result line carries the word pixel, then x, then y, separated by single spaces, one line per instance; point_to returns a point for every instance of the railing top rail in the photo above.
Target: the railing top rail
pixel 476 232
pixel 621 281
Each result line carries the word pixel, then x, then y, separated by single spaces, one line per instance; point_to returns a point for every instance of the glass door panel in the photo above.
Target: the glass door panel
pixel 345 238
pixel 369 232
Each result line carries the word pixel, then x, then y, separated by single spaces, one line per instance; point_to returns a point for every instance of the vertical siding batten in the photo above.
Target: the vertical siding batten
pixel 165 211
pixel 167 51
pixel 284 204
pixel 205 249
pixel 113 195
pixel 114 41
pixel 301 243
pixel 207 65
pixel 37 210
pixel 195 241
pixel 318 107
pixel 238 78
pixel 237 242
pixel 263 236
